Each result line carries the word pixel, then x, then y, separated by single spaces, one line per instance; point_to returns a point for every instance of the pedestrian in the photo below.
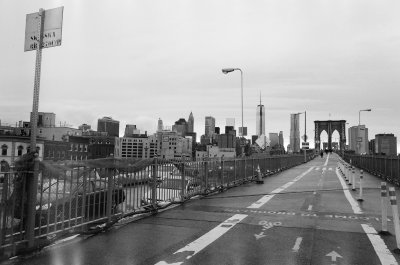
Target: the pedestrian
pixel 321 154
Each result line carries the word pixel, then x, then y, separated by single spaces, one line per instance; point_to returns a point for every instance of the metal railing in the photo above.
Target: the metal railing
pixel 85 199
pixel 385 167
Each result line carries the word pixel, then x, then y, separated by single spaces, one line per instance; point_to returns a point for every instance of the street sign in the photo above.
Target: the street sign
pixel 305 145
pixel 52 29
pixel 304 137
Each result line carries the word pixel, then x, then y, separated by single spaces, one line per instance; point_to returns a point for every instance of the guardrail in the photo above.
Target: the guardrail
pixel 384 167
pixel 81 199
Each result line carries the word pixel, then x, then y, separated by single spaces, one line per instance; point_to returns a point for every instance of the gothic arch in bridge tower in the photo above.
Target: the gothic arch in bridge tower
pixel 330 127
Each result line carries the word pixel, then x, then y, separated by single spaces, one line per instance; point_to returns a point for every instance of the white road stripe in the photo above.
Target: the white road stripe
pixel 385 256
pixel 326 162
pixel 354 205
pixel 330 168
pixel 310 207
pixel 317 168
pixel 268 197
pixel 205 240
pixel 296 246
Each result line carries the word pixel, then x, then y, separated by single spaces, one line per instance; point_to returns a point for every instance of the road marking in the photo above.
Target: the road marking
pixel 334 255
pixel 208 238
pixel 330 169
pixel 268 197
pixel 354 205
pixel 326 162
pixel 309 207
pixel 260 235
pixel 314 192
pixel 324 169
pixel 385 256
pixel 317 168
pixel 296 246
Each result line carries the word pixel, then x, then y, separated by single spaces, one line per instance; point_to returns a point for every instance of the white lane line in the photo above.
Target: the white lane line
pixel 385 256
pixel 309 208
pixel 326 162
pixel 317 168
pixel 268 197
pixel 202 242
pixel 354 205
pixel 296 246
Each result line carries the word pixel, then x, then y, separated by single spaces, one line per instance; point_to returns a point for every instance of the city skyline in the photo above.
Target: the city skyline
pixel 166 64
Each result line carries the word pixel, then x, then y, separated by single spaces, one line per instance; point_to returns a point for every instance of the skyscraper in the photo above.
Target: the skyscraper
pixel 191 123
pixel 209 126
pixel 281 139
pixel 295 132
pixel 386 144
pixel 107 124
pixel 160 126
pixel 181 127
pixel 358 139
pixel 260 119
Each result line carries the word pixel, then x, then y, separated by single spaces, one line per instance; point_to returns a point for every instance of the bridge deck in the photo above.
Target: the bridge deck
pixel 300 216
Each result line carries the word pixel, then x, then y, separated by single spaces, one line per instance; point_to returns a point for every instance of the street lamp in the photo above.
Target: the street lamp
pixel 226 71
pixel 358 130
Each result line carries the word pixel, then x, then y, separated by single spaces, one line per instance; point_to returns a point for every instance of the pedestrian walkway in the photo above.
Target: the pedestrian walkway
pixel 305 215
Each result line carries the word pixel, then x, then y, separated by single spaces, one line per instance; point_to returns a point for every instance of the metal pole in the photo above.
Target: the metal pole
pixel 305 135
pixel 241 91
pixel 35 106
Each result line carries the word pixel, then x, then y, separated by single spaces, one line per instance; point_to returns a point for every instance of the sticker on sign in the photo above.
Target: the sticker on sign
pixel 52 29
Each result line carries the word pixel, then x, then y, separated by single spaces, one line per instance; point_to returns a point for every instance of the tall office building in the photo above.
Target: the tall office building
pixel 108 125
pixel 46 119
pixel 209 126
pixel 181 127
pixel 386 144
pixel 295 133
pixel 130 130
pixel 191 123
pixel 358 139
pixel 160 125
pixel 260 119
pixel 274 139
pixel 281 139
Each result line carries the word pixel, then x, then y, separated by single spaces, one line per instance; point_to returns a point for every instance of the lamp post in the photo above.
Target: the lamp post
pixel 358 130
pixel 226 71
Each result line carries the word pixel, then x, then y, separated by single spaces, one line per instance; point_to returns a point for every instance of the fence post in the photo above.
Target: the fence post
pixel 31 211
pixel 360 199
pixel 245 169
pixel 393 202
pixel 384 205
pixel 154 184
pixel 205 176
pixel 353 175
pixel 110 188
pixel 183 182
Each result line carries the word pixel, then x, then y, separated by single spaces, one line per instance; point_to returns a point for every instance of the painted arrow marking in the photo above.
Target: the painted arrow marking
pixel 334 255
pixel 260 235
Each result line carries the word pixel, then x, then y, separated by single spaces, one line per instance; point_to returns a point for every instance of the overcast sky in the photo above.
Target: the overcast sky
pixel 138 61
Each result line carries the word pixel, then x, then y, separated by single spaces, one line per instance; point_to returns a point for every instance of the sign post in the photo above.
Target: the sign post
pixel 43 30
